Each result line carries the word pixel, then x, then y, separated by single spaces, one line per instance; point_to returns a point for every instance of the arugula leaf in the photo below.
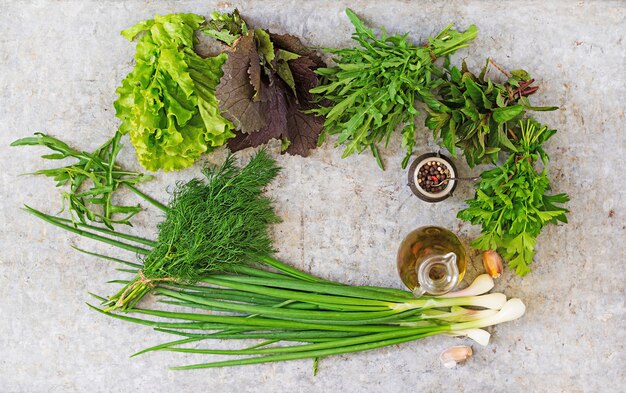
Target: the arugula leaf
pixel 167 103
pixel 372 89
pixel 511 203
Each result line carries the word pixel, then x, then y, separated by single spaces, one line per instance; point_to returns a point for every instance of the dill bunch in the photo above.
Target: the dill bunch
pixel 213 224
pixel 221 221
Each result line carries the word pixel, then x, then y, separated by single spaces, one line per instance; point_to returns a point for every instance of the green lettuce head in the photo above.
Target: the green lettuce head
pixel 167 103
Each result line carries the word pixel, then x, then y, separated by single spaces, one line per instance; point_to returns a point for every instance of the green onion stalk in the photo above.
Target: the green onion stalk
pixel 213 253
pixel 323 319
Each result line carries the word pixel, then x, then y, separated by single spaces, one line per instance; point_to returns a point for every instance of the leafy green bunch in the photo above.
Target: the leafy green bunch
pixel 208 221
pixel 92 180
pixel 511 202
pixel 210 225
pixel 265 87
pixel 199 264
pixel 478 115
pixel 167 103
pixel 373 87
pixel 226 27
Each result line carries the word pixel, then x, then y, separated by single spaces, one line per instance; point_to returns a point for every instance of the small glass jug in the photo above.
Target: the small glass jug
pixel 431 260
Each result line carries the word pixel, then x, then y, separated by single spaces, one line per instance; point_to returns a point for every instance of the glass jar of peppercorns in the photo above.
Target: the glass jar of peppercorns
pixel 429 177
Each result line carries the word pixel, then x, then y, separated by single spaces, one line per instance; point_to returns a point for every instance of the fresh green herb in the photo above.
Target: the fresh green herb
pixel 265 87
pixel 230 220
pixel 483 118
pixel 167 103
pixel 511 202
pixel 92 180
pixel 230 217
pixel 297 331
pixel 374 86
pixel 476 114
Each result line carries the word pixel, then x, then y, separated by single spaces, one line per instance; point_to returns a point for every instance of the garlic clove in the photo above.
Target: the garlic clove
pixel 451 356
pixel 492 261
pixel 449 364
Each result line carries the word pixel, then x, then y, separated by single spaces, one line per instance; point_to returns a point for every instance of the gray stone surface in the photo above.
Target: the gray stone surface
pixel 60 62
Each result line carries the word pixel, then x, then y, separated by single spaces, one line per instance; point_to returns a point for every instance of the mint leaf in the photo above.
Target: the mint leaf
pixel 502 115
pixel 480 111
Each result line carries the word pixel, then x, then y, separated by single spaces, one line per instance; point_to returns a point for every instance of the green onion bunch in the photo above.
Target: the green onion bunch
pixel 309 318
pixel 251 295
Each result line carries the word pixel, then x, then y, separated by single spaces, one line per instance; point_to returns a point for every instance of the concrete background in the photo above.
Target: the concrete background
pixel 60 62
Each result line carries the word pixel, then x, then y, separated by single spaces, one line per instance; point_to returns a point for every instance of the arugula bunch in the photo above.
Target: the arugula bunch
pixel 373 87
pixel 478 115
pixel 167 103
pixel 265 87
pixel 511 202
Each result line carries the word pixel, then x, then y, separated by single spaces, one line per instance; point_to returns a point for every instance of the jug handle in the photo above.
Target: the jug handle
pixel 425 284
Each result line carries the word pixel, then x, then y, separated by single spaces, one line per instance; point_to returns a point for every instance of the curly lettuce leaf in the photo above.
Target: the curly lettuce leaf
pixel 206 74
pixel 167 103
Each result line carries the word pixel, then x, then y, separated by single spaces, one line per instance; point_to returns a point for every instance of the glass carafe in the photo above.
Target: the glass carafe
pixel 431 260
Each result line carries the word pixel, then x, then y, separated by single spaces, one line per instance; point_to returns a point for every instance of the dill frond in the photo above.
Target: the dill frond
pixel 216 222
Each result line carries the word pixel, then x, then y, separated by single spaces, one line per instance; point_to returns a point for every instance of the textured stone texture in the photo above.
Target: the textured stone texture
pixel 60 62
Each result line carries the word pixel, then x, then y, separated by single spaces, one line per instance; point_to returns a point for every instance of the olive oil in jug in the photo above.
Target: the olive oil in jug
pixel 431 260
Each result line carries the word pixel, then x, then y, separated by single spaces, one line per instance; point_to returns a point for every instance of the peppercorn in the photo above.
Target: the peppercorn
pixel 433 176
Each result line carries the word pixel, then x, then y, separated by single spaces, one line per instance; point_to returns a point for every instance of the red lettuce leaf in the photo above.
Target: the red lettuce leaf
pixel 305 79
pixel 293 44
pixel 239 87
pixel 303 130
pixel 262 105
pixel 275 109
